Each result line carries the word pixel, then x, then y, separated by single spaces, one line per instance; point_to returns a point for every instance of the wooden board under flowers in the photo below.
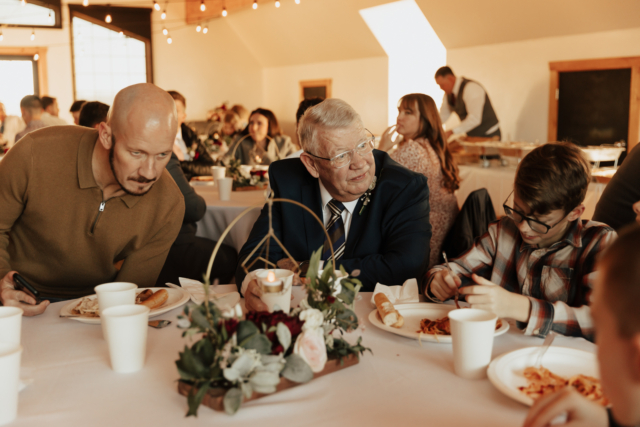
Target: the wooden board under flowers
pixel 214 398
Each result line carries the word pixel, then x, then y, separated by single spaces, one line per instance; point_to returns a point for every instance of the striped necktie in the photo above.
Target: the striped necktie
pixel 335 229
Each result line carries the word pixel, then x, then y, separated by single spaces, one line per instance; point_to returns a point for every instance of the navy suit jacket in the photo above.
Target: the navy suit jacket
pixel 388 242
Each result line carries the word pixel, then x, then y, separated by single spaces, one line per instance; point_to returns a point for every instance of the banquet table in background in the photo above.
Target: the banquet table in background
pixel 498 180
pixel 221 213
pixel 402 383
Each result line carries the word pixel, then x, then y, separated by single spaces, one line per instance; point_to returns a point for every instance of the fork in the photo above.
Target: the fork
pixel 545 346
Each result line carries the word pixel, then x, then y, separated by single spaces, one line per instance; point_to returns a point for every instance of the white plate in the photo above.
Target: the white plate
pixel 414 313
pixel 228 300
pixel 177 297
pixel 506 371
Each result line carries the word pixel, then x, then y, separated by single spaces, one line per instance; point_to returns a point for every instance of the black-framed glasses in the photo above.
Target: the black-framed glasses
pixel 343 159
pixel 534 224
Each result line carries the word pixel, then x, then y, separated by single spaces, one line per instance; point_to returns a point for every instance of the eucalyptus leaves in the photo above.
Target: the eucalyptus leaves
pixel 239 357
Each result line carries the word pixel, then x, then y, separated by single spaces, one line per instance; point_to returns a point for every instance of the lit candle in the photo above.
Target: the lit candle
pixel 271 284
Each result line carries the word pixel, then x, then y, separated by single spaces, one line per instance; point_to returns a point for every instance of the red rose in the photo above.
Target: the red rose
pixel 260 318
pixel 230 325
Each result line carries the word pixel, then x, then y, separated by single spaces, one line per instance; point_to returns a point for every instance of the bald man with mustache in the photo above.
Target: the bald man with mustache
pixel 80 207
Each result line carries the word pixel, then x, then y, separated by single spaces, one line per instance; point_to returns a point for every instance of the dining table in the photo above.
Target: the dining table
pixel 220 213
pixel 400 382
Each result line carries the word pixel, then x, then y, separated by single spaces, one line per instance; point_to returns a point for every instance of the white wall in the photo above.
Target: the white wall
pixel 208 69
pixel 363 83
pixel 516 75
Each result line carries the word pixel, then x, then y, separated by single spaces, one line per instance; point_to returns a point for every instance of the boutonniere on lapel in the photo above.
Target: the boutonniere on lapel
pixel 366 197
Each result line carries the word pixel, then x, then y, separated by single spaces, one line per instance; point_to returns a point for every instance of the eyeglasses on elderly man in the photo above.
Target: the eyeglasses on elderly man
pixel 343 159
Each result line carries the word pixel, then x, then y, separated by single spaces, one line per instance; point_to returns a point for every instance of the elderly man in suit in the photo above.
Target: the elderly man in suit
pixel 375 210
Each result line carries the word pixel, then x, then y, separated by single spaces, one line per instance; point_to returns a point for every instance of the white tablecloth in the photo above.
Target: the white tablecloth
pixel 498 180
pixel 400 384
pixel 220 214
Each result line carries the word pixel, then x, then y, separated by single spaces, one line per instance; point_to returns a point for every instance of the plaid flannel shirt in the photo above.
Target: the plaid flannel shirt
pixel 558 279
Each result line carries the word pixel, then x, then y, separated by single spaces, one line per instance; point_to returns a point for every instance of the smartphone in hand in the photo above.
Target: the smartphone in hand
pixel 24 286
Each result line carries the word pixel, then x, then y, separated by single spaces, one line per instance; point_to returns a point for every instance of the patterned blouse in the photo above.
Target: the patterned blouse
pixel 420 157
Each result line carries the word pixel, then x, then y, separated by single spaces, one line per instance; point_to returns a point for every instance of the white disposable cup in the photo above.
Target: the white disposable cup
pixel 472 332
pixel 218 172
pixel 224 188
pixel 116 293
pixel 9 380
pixel 10 324
pixel 125 328
pixel 278 300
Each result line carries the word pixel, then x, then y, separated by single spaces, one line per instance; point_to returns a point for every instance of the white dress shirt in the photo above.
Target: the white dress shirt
pixel 347 213
pixel 181 145
pixel 473 97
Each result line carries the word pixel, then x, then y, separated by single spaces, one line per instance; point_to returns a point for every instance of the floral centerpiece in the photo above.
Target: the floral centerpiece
pixel 242 178
pixel 252 355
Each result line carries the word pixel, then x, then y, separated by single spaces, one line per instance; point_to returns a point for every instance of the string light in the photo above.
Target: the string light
pixel 121 33
pixel 255 4
pixel 108 19
pixel 202 6
pixel 277 3
pixel 164 14
pixel 33 35
pixel 156 6
pixel 50 17
pixel 224 11
pixel 165 31
pixel 297 1
pixel 198 28
pixel 205 30
pixel 36 57
pixel 23 2
pixel 169 40
pixel 85 3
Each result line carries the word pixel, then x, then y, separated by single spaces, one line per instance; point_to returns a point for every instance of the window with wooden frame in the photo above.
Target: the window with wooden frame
pixel 315 89
pixel 595 101
pixel 30 13
pixel 106 57
pixel 24 71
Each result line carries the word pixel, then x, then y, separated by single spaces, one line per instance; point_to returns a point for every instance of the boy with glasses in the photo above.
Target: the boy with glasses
pixel 536 264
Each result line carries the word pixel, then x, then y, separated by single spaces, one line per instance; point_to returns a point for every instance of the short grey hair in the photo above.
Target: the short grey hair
pixel 329 114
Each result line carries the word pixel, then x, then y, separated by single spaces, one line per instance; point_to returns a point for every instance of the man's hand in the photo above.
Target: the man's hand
pixel 10 297
pixel 252 301
pixel 491 297
pixel 445 284
pixel 580 411
pixel 287 264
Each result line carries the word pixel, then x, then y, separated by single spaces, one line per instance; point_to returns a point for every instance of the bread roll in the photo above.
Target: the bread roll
pixel 387 312
pixel 157 299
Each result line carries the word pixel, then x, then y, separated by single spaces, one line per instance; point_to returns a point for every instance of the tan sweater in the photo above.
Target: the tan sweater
pixel 51 229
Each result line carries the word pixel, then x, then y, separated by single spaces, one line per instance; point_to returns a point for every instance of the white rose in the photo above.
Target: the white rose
pixel 311 347
pixel 313 319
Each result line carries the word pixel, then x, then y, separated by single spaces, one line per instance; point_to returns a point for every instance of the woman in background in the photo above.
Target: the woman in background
pixel 422 148
pixel 262 142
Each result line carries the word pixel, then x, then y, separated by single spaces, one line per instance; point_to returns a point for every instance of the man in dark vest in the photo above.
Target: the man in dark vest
pixel 470 102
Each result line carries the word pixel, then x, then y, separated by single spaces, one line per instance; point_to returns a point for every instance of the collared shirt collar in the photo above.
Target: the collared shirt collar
pixel 456 85
pixel 326 198
pixel 572 237
pixel 85 170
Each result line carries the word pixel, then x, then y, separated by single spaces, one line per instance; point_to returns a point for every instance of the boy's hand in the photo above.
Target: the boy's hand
pixel 580 411
pixel 491 297
pixel 445 284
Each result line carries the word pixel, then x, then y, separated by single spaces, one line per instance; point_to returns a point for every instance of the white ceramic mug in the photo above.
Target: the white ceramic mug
pixel 10 324
pixel 116 293
pixel 125 327
pixel 10 354
pixel 472 333
pixel 277 300
pixel 225 185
